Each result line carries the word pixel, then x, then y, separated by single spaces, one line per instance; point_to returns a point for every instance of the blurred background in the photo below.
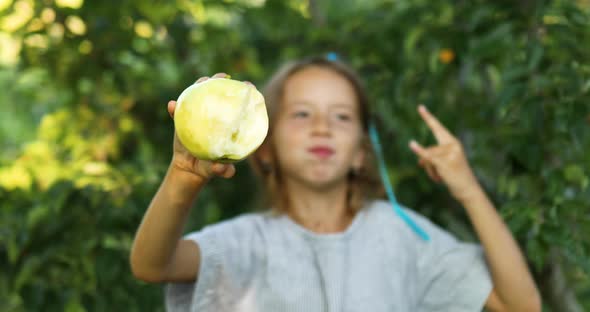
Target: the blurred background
pixel 85 137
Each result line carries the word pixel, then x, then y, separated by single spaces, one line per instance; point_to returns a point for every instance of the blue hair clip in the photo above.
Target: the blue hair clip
pixel 389 188
pixel 332 56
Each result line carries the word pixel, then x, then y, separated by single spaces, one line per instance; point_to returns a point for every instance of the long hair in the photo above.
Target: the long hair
pixel 363 184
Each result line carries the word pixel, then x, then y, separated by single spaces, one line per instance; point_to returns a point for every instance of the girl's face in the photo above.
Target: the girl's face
pixel 318 132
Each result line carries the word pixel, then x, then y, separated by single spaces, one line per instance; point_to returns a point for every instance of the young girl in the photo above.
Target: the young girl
pixel 327 243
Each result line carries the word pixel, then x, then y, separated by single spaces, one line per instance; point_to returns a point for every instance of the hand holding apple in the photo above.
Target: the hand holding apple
pixel 217 121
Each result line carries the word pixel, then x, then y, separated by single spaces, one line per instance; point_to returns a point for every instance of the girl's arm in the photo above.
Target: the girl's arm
pixel 514 288
pixel 158 253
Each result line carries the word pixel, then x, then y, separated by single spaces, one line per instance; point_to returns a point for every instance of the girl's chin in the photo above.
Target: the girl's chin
pixel 324 180
pixel 320 177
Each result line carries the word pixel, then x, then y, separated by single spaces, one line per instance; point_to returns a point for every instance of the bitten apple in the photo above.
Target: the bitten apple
pixel 221 119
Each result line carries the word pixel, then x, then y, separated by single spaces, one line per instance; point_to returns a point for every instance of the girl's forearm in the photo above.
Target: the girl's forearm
pixel 512 280
pixel 163 223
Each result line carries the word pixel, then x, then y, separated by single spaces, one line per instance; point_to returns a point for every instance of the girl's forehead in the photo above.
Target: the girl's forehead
pixel 317 84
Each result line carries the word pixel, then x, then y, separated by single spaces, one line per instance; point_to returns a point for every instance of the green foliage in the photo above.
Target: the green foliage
pixel 64 248
pixel 85 135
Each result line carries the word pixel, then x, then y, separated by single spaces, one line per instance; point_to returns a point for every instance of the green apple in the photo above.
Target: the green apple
pixel 221 119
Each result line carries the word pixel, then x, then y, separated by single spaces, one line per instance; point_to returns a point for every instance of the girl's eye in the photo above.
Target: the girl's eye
pixel 343 117
pixel 300 114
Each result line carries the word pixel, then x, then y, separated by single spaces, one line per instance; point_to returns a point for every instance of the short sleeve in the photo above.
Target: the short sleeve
pixel 229 260
pixel 452 275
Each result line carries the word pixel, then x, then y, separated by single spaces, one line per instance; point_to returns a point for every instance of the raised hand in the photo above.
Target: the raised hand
pixel 445 161
pixel 186 162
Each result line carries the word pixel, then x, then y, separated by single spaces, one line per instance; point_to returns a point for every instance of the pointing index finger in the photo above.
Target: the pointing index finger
pixel 441 133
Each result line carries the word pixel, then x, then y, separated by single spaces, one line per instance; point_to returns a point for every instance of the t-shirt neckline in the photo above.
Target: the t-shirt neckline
pixel 301 230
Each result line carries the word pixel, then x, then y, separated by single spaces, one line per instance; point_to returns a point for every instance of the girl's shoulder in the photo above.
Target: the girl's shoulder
pixel 240 225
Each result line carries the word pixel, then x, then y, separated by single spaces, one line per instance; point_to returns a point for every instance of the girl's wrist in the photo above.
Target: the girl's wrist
pixel 470 197
pixel 184 181
pixel 468 190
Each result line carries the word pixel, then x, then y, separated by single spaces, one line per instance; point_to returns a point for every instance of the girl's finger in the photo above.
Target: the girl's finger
pixel 171 107
pixel 419 150
pixel 436 154
pixel 433 174
pixel 220 75
pixel 430 170
pixel 217 168
pixel 201 79
pixel 440 132
pixel 229 172
pixel 422 162
pixel 223 170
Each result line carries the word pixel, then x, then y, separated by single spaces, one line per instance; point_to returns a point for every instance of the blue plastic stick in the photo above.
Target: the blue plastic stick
pixel 388 188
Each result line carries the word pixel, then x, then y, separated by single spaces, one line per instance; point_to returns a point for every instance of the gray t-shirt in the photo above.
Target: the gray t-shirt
pixel 261 262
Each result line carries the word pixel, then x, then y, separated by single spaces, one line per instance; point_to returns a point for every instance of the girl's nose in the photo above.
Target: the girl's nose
pixel 321 125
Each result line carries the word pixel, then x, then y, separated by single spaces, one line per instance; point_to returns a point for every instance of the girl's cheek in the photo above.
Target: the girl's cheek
pixel 296 123
pixel 290 130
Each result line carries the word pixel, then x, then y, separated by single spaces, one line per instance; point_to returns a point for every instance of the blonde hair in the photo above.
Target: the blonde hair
pixel 363 184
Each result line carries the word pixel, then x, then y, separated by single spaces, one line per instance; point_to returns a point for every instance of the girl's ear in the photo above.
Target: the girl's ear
pixel 264 152
pixel 264 157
